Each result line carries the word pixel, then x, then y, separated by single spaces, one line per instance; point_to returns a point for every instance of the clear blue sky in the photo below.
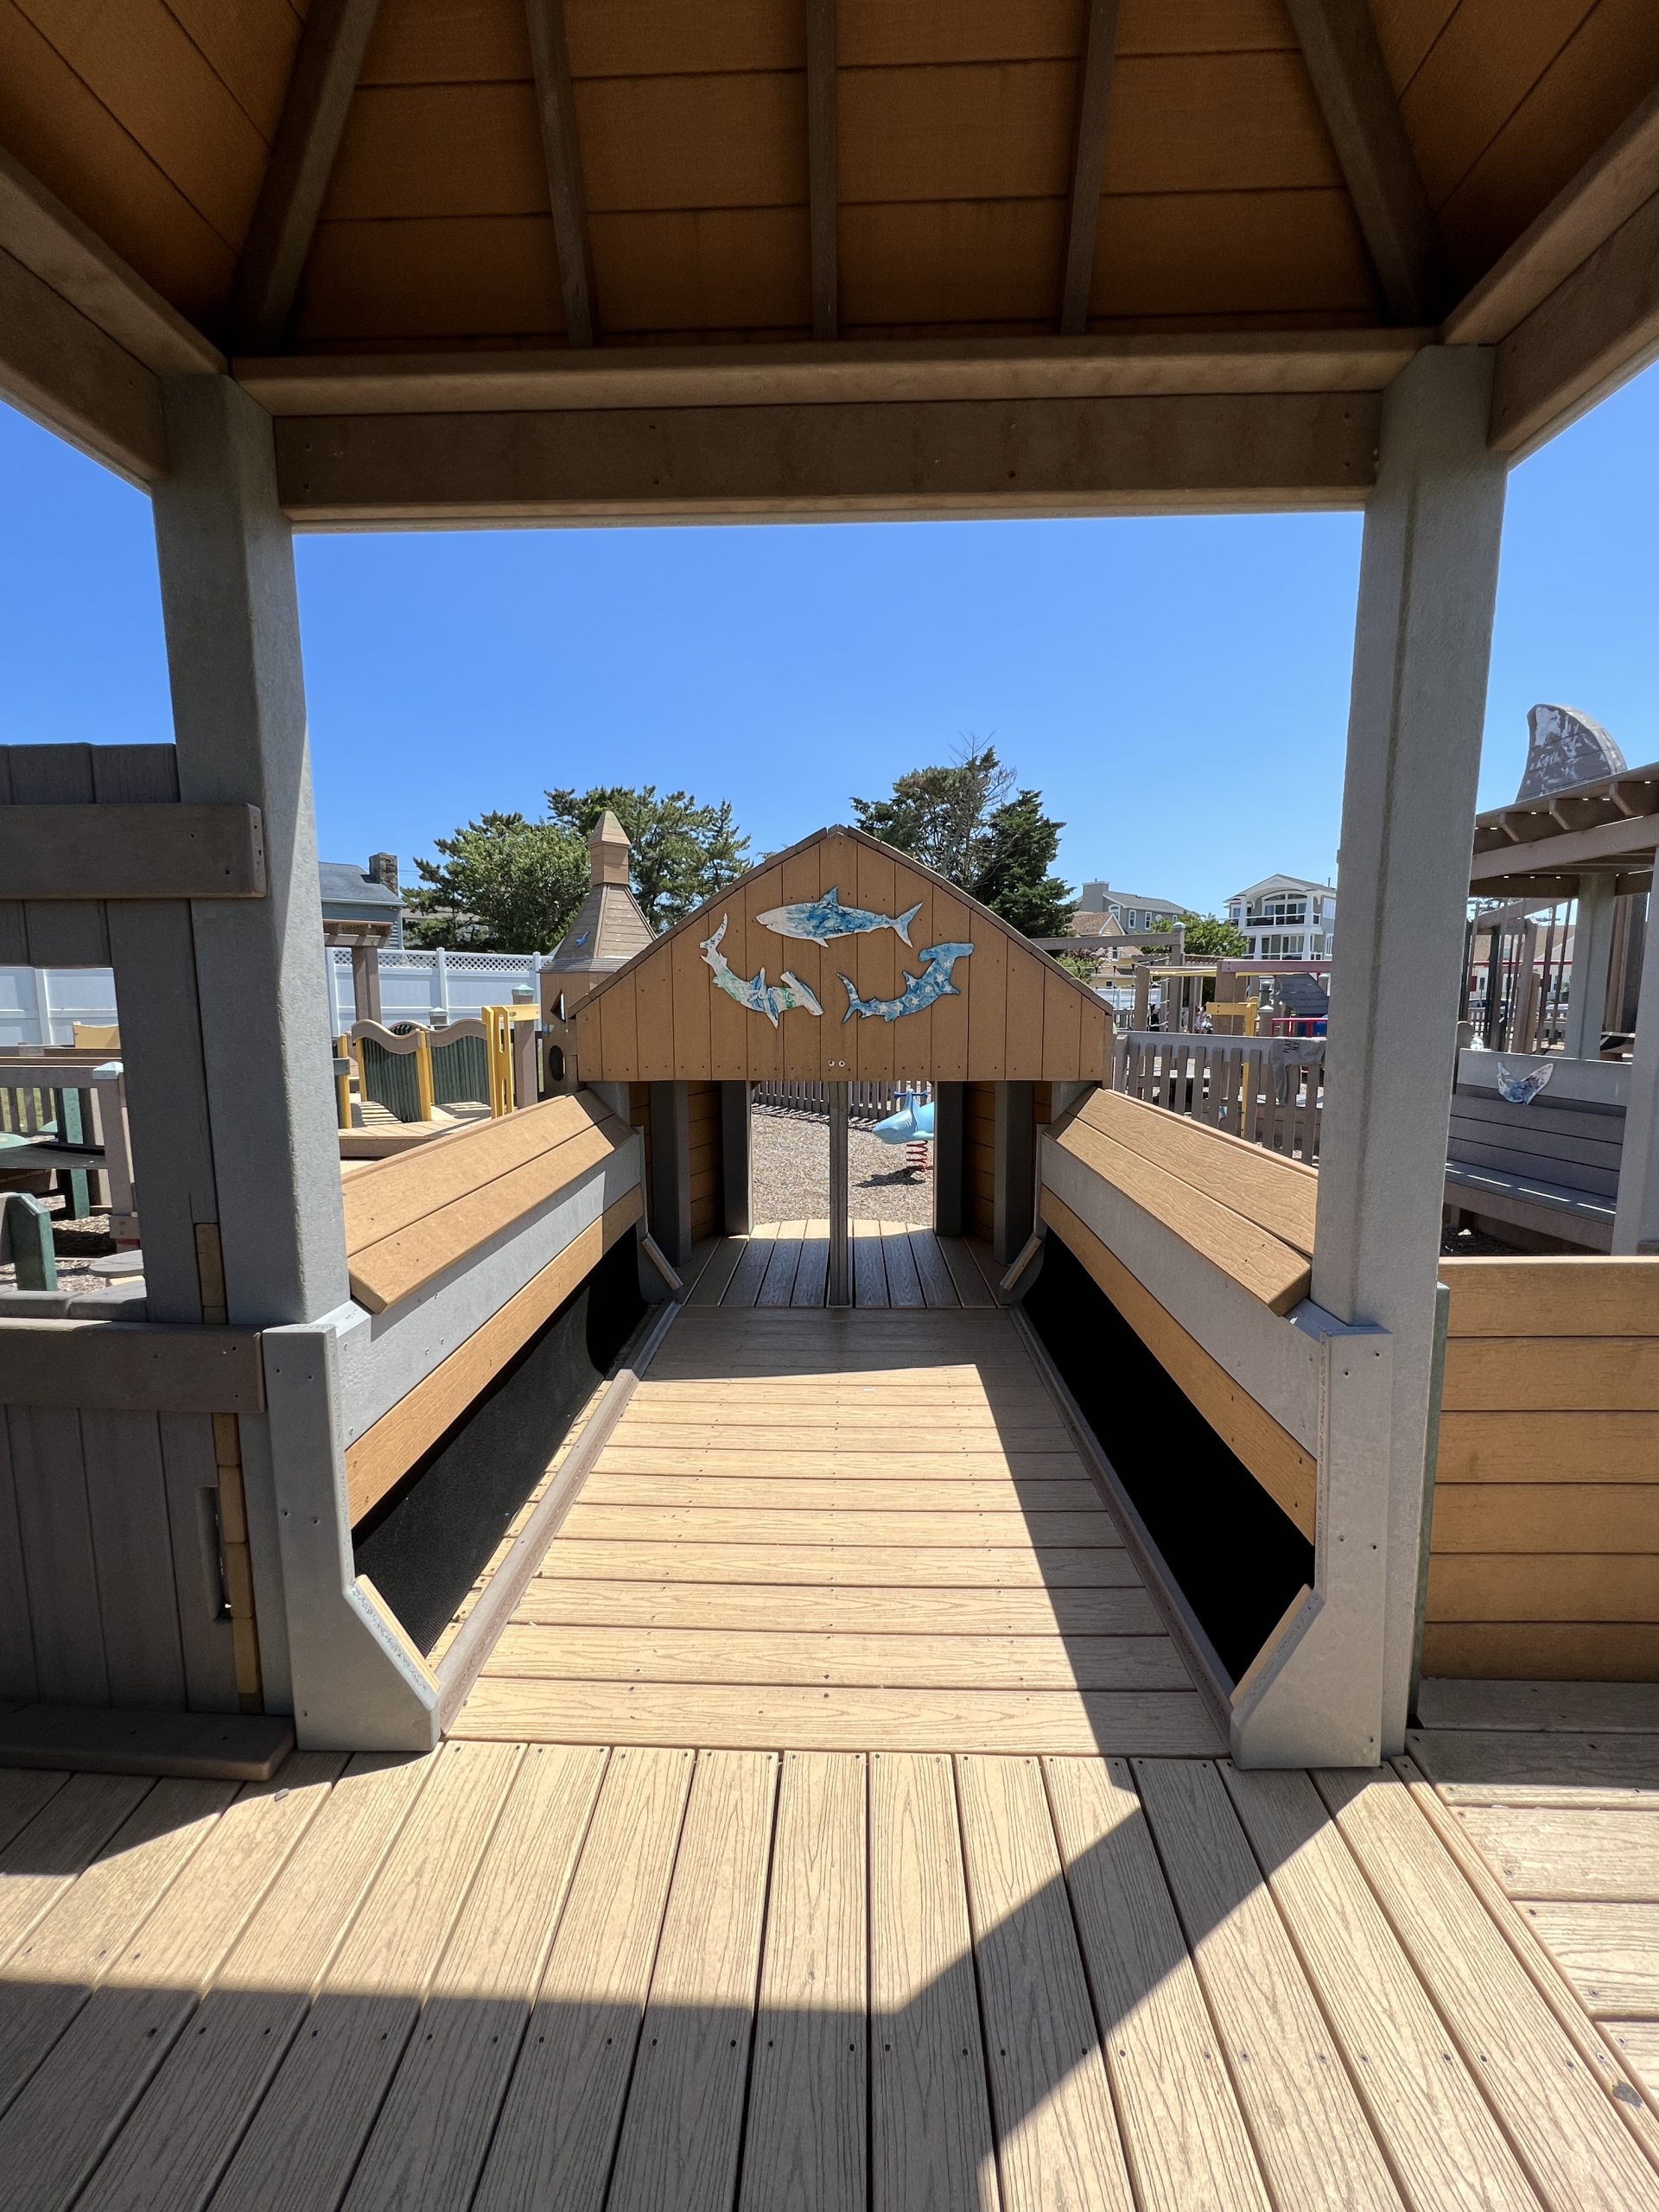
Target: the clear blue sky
pixel 1178 687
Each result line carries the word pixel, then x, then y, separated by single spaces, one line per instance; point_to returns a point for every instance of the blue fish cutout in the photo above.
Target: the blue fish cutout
pixel 754 991
pixel 1521 1089
pixel 817 919
pixel 920 991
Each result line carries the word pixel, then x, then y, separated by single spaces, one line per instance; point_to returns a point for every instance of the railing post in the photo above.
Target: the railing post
pixel 840 1286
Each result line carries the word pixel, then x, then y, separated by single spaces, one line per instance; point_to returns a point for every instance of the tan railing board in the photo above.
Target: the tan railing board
pixel 384 1454
pixel 1258 1262
pixel 1278 1195
pixel 392 1194
pixel 1288 1474
pixel 394 1267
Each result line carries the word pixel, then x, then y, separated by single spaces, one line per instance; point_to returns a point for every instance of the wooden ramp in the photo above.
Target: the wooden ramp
pixel 608 1979
pixel 894 1264
pixel 841 1531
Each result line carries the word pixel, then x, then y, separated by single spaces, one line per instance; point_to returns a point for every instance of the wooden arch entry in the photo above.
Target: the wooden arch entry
pixel 838 961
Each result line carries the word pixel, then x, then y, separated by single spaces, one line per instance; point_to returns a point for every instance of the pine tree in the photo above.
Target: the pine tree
pixel 960 821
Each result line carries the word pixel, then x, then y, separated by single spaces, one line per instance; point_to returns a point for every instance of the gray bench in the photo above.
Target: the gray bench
pixel 1549 1168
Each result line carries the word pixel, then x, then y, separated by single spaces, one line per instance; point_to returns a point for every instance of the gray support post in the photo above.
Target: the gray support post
pixel 1636 1216
pixel 949 1157
pixel 670 1171
pixel 365 983
pixel 231 619
pixel 1013 1169
pixel 1429 578
pixel 1592 966
pixel 841 1274
pixel 737 1203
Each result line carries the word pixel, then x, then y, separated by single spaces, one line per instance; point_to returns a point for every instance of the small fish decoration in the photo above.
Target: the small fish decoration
pixel 1521 1089
pixel 920 991
pixel 755 991
pixel 816 920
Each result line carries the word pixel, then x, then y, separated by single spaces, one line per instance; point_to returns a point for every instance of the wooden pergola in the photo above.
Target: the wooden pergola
pixel 516 261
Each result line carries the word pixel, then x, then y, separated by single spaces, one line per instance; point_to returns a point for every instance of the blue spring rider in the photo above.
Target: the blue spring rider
pixel 913 1125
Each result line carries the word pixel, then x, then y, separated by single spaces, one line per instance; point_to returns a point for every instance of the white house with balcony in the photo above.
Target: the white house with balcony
pixel 1286 918
pixel 1128 911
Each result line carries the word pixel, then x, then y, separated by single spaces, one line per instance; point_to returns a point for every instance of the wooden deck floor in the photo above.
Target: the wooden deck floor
pixel 787 1263
pixel 851 1532
pixel 506 1977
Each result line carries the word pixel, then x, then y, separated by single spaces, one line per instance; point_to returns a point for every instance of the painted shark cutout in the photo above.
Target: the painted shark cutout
pixel 754 991
pixel 817 919
pixel 920 991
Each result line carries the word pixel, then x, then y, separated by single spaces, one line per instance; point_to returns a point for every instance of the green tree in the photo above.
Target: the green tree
pixel 1208 937
pixel 681 853
pixel 960 820
pixel 501 884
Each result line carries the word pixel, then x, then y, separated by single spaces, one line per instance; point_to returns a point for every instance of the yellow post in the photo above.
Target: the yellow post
pixel 497 1036
pixel 424 1073
pixel 343 1081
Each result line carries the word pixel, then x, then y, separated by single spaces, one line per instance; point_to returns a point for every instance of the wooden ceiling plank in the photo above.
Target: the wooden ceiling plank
pixel 1350 82
pixel 1222 452
pixel 1596 329
pixel 326 68
pixel 822 163
pixel 1087 165
pixel 40 231
pixel 556 108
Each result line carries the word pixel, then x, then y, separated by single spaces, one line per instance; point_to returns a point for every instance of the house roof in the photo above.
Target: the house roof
pixel 344 884
pixel 1283 883
pixel 993 1007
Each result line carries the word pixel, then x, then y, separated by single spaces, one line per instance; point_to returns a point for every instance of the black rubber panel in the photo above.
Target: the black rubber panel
pixel 1238 1558
pixel 426 1543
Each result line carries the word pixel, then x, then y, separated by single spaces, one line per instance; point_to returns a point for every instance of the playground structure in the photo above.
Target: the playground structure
pixel 932 1750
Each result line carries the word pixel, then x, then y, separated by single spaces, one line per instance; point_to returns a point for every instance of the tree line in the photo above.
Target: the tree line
pixel 505 883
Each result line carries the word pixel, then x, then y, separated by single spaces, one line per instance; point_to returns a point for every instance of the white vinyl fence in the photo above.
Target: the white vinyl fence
pixel 40 1006
pixel 414 985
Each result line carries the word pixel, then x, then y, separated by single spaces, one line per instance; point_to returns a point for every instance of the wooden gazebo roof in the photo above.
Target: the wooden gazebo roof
pixel 566 259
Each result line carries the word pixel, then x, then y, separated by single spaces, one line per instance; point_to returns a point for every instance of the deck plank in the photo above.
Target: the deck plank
pixel 812 1275
pixel 1285 2065
pixel 931 2140
pixel 760 1717
pixel 777 1286
pixel 683 2124
pixel 806 2142
pixel 938 1283
pixel 1593 1708
pixel 1091 1527
pixel 1421 2100
pixel 743 1285
pixel 24 1791
pixel 904 1282
pixel 864 1455
pixel 58 1846
pixel 714 1278
pixel 1554 2110
pixel 888 1660
pixel 305 2139
pixel 1557 1852
pixel 431 2140
pixel 1057 2133
pixel 757 1492
pixel 869 1266
pixel 553 2141
pixel 77 2100
pixel 1508 1767
pixel 1609 1950
pixel 971 1287
pixel 873 1565
pixel 196 2112
pixel 837 1611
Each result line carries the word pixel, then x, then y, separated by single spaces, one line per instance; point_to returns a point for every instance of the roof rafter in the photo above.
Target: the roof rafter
pixel 556 110
pixel 326 68
pixel 1350 82
pixel 1088 164
pixel 822 172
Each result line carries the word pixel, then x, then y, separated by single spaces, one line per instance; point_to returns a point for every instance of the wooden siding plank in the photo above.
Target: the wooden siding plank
pixel 305 2139
pixel 1513 1650
pixel 553 2141
pixel 194 2114
pixel 18 1677
pixel 1422 2102
pixel 1286 2068
pixel 1289 1474
pixel 1548 1447
pixel 987 1014
pixel 1544 1587
pixel 1529 1374
pixel 132 1543
pixel 1554 2112
pixel 1034 1613
pixel 930 2140
pixel 1057 2133
pixel 889 1660
pixel 433 2133
pixel 1159 1723
pixel 683 2125
pixel 1185 2136
pixel 1573 1517
pixel 53 1517
pixel 806 2143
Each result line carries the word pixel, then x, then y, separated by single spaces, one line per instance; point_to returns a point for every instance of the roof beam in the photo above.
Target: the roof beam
pixel 66 374
pixel 326 68
pixel 1225 452
pixel 41 233
pixel 1350 82
pixel 1598 327
pixel 822 171
pixel 812 373
pixel 1088 164
pixel 555 107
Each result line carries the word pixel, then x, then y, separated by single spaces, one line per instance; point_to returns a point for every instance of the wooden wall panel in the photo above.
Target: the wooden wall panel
pixel 59 1568
pixel 446 277
pixel 702 1120
pixel 742 269
pixel 413 150
pixel 1544 1549
pixel 998 132
pixel 606 41
pixel 1247 253
pixel 693 1015
pixel 979 1159
pixel 692 142
pixel 948 1056
pixel 951 262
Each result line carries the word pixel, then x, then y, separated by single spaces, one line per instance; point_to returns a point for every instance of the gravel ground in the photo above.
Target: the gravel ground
pixel 77 1244
pixel 791 1157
